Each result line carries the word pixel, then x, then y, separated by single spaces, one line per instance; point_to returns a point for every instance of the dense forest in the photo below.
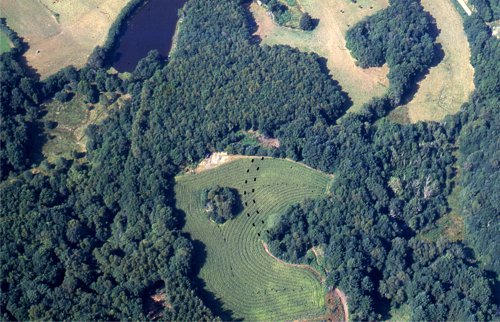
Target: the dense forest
pixel 97 236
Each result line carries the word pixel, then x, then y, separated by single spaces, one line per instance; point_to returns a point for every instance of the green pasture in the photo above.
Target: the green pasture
pixel 5 43
pixel 237 271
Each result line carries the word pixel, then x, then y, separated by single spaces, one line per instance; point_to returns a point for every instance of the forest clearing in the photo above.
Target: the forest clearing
pixel 449 84
pixel 60 33
pixel 237 270
pixel 328 41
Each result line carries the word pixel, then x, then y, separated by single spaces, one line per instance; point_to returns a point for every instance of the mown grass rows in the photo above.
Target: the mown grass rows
pixel 250 283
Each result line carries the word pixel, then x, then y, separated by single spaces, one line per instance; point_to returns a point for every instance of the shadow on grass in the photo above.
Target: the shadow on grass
pixel 209 299
pixel 436 60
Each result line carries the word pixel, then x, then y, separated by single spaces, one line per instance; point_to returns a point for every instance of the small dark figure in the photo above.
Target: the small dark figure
pixel 248 170
pixel 257 168
pixel 252 160
pixel 246 181
pixel 257 212
pixel 254 201
pixel 262 221
pixel 253 224
pixel 248 215
pixel 253 190
pixel 254 179
pixel 246 203
pixel 262 158
pixel 258 234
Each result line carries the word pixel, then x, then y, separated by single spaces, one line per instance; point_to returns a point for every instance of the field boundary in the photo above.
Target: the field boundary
pixel 217 159
pixel 343 299
pixel 307 267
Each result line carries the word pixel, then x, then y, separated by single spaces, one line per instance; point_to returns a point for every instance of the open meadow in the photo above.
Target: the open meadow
pixel 449 84
pixel 71 120
pixel 235 268
pixel 5 43
pixel 60 32
pixel 328 40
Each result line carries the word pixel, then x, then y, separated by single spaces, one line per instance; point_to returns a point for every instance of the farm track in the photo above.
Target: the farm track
pixel 237 269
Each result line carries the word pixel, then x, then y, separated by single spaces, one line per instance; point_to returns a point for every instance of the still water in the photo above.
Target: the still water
pixel 151 27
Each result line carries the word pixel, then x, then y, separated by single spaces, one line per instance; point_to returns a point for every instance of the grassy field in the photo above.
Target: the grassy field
pixel 449 84
pixel 72 120
pixel 237 270
pixel 60 32
pixel 328 40
pixel 5 43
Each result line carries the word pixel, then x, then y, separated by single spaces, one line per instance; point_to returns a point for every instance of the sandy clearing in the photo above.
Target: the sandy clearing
pixel 217 159
pixel 60 33
pixel 449 84
pixel 328 40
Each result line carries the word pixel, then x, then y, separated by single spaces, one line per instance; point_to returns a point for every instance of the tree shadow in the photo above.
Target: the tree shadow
pixel 414 84
pixel 37 138
pixel 209 299
pixel 323 65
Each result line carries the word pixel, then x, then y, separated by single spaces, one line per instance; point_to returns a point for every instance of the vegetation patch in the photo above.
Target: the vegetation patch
pixel 450 83
pixel 221 203
pixel 288 13
pixel 236 269
pixel 66 123
pixel 5 43
pixel 60 33
pixel 334 17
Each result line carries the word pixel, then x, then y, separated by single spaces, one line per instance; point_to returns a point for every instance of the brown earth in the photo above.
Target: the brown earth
pixel 60 33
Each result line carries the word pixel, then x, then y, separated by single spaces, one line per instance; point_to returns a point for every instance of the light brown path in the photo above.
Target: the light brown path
pixel 343 299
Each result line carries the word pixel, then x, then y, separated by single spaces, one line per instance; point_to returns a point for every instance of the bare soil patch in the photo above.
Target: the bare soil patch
pixel 449 84
pixel 328 40
pixel 60 32
pixel 495 28
pixel 215 160
pixel 265 141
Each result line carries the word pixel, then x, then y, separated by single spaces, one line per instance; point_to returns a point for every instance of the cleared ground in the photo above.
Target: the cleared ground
pixel 60 32
pixel 72 120
pixel 237 270
pixel 328 40
pixel 449 84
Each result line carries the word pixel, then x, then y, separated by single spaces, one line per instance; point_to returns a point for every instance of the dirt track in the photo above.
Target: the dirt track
pixel 343 299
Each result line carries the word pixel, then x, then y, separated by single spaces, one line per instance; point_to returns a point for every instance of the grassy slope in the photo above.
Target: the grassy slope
pixel 5 43
pixel 237 269
pixel 328 41
pixel 449 84
pixel 60 33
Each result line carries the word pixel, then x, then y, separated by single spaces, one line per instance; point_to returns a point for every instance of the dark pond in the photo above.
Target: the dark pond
pixel 151 27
